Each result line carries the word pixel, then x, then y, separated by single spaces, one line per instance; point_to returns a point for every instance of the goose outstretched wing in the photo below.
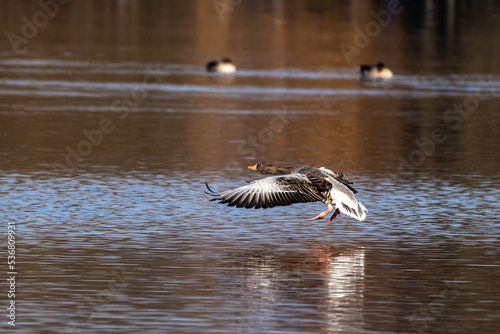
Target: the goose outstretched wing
pixel 272 191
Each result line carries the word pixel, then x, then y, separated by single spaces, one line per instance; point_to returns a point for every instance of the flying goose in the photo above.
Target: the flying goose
pixel 224 65
pixel 298 184
pixel 377 71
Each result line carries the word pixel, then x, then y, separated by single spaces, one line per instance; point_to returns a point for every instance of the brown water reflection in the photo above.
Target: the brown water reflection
pixel 124 240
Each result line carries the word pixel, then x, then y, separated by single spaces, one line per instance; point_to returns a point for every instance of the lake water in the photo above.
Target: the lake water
pixel 110 128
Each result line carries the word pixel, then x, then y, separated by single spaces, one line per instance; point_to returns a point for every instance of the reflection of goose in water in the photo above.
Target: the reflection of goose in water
pixel 329 282
pixel 298 184
pixel 224 65
pixel 345 270
pixel 345 286
pixel 377 71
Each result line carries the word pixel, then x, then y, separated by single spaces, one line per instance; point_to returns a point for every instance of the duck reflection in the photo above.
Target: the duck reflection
pixel 325 283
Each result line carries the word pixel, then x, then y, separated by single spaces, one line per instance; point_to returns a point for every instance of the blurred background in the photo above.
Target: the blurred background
pixel 290 56
pixel 110 126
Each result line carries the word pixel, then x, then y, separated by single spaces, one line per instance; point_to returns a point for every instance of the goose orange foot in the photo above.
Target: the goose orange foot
pixel 335 214
pixel 323 214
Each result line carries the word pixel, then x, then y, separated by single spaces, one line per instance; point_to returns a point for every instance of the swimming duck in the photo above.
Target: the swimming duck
pixel 377 71
pixel 298 184
pixel 224 65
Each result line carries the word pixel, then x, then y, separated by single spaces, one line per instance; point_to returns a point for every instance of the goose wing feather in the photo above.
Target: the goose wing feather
pixel 272 191
pixel 338 177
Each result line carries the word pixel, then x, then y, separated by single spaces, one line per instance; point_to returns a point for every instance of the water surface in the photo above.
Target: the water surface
pixel 111 127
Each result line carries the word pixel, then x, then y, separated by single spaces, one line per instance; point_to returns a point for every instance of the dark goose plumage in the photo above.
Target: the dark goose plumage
pixel 224 65
pixel 376 71
pixel 299 184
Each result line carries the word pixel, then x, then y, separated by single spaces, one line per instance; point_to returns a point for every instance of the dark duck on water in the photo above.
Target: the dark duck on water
pixel 298 184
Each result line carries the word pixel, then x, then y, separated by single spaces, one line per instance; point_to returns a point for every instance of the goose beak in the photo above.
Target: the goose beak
pixel 254 167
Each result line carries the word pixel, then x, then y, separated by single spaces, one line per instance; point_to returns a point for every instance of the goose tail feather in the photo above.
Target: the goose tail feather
pixel 355 210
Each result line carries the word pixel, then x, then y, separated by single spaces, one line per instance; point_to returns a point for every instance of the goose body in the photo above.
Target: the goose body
pixel 224 65
pixel 376 71
pixel 299 184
